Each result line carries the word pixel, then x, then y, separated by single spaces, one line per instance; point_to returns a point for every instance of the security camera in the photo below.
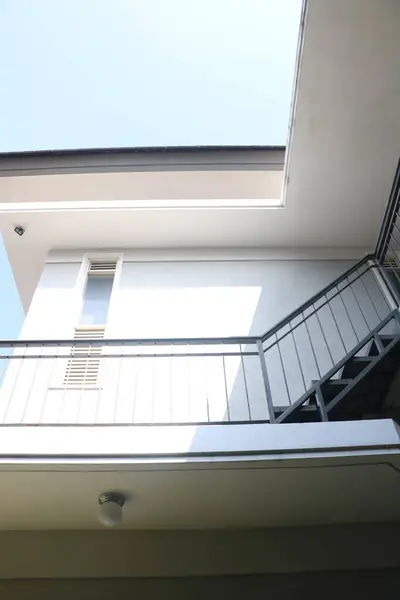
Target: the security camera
pixel 19 230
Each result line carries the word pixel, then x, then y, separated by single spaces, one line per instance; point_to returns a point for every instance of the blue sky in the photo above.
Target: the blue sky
pixel 104 73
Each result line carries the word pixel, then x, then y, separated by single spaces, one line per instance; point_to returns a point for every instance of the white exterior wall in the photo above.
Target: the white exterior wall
pixel 168 299
pixel 181 298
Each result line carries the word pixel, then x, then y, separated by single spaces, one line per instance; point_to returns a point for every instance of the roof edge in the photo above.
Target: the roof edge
pixel 139 150
pixel 170 158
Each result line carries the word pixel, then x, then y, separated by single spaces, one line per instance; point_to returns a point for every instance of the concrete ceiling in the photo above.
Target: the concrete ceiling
pixel 153 554
pixel 202 496
pixel 343 149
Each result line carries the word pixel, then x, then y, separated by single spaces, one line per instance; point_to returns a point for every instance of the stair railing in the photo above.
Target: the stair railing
pixel 387 253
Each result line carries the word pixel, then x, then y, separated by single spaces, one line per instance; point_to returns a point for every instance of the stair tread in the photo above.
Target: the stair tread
pixel 333 382
pixel 302 407
pixel 366 396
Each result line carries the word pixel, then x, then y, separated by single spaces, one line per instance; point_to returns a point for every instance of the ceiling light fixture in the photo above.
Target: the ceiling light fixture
pixel 111 504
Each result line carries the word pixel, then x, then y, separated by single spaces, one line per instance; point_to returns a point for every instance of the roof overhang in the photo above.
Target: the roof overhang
pixel 342 155
pixel 133 198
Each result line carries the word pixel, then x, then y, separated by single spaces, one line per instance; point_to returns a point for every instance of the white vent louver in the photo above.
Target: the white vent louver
pixel 83 366
pixel 102 267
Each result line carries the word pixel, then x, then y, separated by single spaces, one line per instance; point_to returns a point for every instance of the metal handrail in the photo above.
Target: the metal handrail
pixel 387 251
pixel 339 365
pixel 295 313
pixel 312 302
pixel 389 217
pixel 133 341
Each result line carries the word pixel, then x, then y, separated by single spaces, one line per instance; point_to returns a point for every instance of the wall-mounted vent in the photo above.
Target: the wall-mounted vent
pixel 102 267
pixel 83 366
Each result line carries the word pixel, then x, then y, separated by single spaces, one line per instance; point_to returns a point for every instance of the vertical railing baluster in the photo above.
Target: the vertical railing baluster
pixel 347 312
pixel 188 393
pixel 170 382
pixel 226 389
pixel 51 375
pixel 283 368
pixel 323 334
pixel 28 399
pixel 153 359
pixel 135 381
pixel 357 302
pixel 245 381
pixel 312 345
pixel 369 296
pixel 336 323
pixel 267 387
pixel 201 372
pixel 64 378
pixel 16 378
pixel 83 382
pixel 119 369
pixel 206 382
pixel 298 360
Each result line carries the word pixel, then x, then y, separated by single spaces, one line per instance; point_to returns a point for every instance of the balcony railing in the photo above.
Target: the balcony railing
pixel 388 247
pixel 203 381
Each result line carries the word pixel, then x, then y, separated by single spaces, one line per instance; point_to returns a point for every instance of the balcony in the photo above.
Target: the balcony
pixel 214 425
pixel 332 359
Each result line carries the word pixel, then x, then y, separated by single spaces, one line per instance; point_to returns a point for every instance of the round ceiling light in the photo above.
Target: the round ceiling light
pixel 111 504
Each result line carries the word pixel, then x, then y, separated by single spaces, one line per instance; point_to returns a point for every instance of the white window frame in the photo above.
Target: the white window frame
pixel 83 277
pixel 58 382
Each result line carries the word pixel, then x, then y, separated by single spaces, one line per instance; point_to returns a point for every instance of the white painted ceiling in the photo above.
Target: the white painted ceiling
pixel 205 496
pixel 343 149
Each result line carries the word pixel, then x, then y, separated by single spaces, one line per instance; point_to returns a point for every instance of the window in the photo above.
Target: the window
pixel 96 300
pixel 83 366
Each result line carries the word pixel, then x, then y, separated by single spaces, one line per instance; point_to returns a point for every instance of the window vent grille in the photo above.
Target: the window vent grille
pixel 83 366
pixel 101 267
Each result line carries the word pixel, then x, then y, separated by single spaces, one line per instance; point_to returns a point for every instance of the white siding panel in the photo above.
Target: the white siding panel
pixel 179 387
pixel 162 389
pixel 144 401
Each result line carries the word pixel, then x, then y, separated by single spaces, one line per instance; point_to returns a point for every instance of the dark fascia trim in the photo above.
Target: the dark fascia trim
pixel 138 150
pixel 170 158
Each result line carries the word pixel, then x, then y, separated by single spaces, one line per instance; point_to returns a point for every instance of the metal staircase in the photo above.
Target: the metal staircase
pixel 357 387
pixel 365 383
